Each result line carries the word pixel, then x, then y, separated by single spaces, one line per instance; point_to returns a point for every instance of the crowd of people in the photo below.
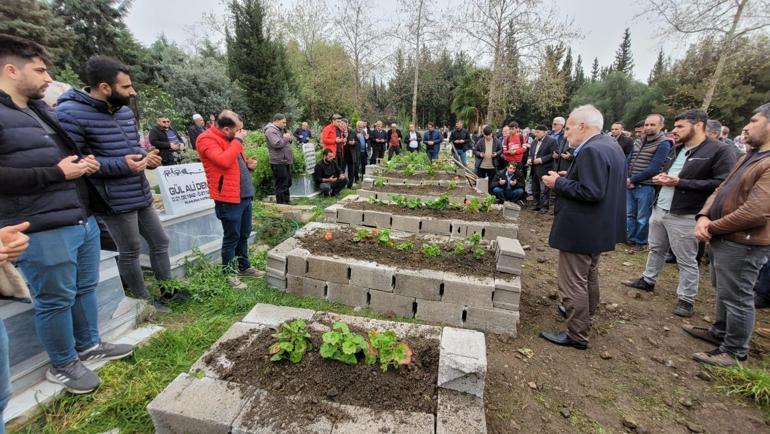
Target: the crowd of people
pixel 73 173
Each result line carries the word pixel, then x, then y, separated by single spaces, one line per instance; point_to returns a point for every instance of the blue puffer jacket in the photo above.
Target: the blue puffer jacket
pixel 109 136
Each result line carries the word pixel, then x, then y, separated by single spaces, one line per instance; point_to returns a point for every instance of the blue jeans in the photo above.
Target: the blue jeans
pixel 509 194
pixel 638 211
pixel 432 152
pixel 236 225
pixel 5 375
pixel 463 156
pixel 62 269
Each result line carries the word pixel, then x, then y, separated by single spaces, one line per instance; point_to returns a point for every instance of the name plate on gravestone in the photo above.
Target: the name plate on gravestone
pixel 183 188
pixel 308 151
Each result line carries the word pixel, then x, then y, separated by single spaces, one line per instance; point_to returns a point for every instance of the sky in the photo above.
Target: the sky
pixel 600 22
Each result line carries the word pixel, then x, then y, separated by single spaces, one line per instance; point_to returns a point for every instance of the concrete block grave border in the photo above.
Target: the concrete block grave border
pixel 197 404
pixel 385 196
pixel 458 229
pixel 486 304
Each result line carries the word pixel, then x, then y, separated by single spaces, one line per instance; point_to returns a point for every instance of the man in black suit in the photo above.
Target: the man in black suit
pixel 541 162
pixel 589 218
pixel 626 143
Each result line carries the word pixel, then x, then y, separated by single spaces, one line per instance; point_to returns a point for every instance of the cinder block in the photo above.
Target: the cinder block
pixel 494 230
pixel 276 257
pixel 327 268
pixel 459 230
pixel 459 413
pixel 330 213
pixel 305 286
pixel 294 284
pixel 296 262
pixel 462 361
pixel 277 263
pixel 349 295
pixel 192 405
pixel 477 227
pixel 424 284
pixel 492 320
pixel 350 216
pixel 509 264
pixel 436 226
pixel 366 194
pixel 482 185
pixel 440 312
pixel 377 219
pixel 366 420
pixel 405 223
pixel 262 404
pixel 372 275
pixel 507 293
pixel 468 291
pixel 511 211
pixel 272 316
pixel 387 302
pixel 509 247
pixel 276 282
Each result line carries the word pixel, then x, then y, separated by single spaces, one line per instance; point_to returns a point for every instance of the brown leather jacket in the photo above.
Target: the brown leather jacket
pixel 746 213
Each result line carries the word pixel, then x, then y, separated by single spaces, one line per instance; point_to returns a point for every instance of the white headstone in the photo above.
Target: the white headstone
pixel 183 188
pixel 308 150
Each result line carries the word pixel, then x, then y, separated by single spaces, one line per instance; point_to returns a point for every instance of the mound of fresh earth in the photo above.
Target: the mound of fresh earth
pixel 493 215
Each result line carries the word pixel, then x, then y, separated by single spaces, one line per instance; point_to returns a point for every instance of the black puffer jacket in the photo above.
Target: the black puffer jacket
pixel 32 187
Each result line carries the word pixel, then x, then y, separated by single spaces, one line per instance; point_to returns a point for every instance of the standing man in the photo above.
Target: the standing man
pixel 460 140
pixel 394 141
pixel 100 121
pixel 352 152
pixel 229 178
pixel 735 221
pixel 562 152
pixel 693 170
pixel 378 138
pixel 281 157
pixel 432 139
pixel 725 136
pixel 541 162
pixel 364 148
pixel 588 220
pixel 44 183
pixel 164 138
pixel 487 150
pixel 196 129
pixel 626 143
pixel 412 139
pixel 303 134
pixel 514 146
pixel 331 136
pixel 644 162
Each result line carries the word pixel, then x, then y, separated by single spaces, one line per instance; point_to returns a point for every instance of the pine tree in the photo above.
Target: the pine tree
pixel 595 69
pixel 256 61
pixel 580 75
pixel 658 69
pixel 624 61
pixel 34 20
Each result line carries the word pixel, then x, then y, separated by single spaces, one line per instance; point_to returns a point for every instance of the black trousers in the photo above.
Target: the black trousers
pixel 282 175
pixel 378 151
pixel 540 193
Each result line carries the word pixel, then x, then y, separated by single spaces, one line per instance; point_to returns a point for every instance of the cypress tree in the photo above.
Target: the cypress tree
pixel 624 61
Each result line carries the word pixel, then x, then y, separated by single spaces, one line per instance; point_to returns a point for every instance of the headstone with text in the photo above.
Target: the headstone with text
pixel 183 188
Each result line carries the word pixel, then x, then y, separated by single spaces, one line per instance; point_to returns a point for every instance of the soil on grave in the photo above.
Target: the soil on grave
pixel 369 249
pixel 438 176
pixel 639 365
pixel 494 215
pixel 314 382
pixel 426 190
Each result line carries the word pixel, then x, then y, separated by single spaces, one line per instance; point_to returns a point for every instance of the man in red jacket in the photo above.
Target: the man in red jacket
pixel 228 173
pixel 331 135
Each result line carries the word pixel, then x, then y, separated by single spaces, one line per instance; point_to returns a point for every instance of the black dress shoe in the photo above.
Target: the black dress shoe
pixel 563 339
pixel 639 283
pixel 562 311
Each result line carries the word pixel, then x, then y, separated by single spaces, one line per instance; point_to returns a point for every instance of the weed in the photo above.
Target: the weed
pixel 459 248
pixel 747 382
pixel 473 205
pixel 361 234
pixel 379 182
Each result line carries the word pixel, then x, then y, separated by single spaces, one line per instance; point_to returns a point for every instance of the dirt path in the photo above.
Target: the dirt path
pixel 638 368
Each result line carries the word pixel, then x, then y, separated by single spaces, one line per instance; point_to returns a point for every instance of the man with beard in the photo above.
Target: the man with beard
pixel 43 181
pixel 229 179
pixel 734 220
pixel 626 143
pixel 692 171
pixel 99 120
pixel 644 162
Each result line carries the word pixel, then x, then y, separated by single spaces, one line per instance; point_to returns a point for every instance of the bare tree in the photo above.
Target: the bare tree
pixel 724 20
pixel 359 35
pixel 308 24
pixel 502 26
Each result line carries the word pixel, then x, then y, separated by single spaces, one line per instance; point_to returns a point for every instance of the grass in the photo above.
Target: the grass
pixel 129 385
pixel 752 383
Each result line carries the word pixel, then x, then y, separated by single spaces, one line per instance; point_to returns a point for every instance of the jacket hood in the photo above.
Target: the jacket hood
pixel 82 97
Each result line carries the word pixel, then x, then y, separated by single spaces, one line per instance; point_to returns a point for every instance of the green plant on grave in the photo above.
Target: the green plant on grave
pixel 473 205
pixel 361 234
pixel 486 204
pixel 390 352
pixel 293 341
pixel 342 345
pixel 474 239
pixel 410 170
pixel 431 250
pixel 405 246
pixel 431 170
pixel 479 252
pixel 413 202
pixel 373 200
pixel 383 237
pixel 379 182
pixel 439 203
pixel 398 200
pixel 459 248
pixel 452 185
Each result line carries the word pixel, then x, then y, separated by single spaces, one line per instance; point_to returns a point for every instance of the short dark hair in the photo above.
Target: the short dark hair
pixel 764 110
pixel 619 123
pixel 326 152
pixel 279 117
pixel 639 124
pixel 224 120
pixel 430 124
pixel 541 127
pixel 513 124
pixel 693 116
pixel 713 125
pixel 14 48
pixel 103 69
pixel 487 130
